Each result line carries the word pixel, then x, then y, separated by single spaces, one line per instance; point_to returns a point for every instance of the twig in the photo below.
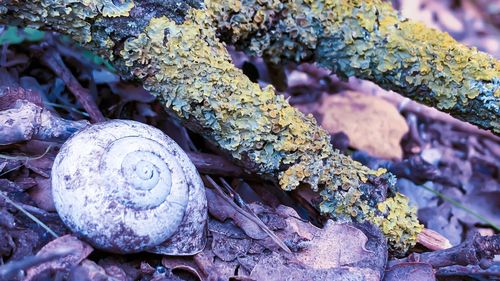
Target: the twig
pixel 470 252
pixel 12 269
pixel 250 215
pixel 28 121
pixel 405 104
pixel 459 270
pixel 54 61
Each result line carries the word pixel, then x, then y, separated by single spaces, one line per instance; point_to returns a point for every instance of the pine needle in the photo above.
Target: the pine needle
pixel 25 158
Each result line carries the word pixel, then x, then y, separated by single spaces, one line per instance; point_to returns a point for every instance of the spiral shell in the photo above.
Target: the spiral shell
pixel 126 187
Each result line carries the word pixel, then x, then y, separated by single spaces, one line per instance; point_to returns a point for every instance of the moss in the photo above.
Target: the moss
pixel 368 39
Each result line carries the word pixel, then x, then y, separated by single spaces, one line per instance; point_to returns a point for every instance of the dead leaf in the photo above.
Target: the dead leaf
pixel 276 268
pixel 222 210
pixel 42 194
pixel 371 123
pixel 295 224
pixel 80 252
pixel 89 270
pixel 333 246
pixel 410 271
pixel 227 248
pixel 484 203
pixel 336 251
pixel 11 95
pixel 202 268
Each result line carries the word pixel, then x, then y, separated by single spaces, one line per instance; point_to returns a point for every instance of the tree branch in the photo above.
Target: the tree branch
pixel 27 121
pixel 471 252
pixel 369 40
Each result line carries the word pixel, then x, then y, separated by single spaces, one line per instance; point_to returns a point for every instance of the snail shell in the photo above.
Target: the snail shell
pixel 126 187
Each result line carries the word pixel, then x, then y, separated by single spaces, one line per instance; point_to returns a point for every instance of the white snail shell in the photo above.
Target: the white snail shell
pixel 126 187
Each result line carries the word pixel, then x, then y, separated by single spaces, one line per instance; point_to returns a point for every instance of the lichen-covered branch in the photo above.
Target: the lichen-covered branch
pixel 369 40
pixel 172 47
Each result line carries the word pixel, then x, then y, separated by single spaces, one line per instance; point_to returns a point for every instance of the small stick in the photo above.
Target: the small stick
pixel 405 104
pixel 54 61
pixel 470 252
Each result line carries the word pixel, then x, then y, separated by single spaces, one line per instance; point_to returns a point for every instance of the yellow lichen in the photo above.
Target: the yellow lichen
pixel 398 221
pixel 187 68
pixel 368 39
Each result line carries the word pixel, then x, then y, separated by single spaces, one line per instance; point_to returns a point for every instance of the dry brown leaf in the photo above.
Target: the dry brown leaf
pixel 371 123
pixel 80 251
pixel 89 270
pixel 222 210
pixel 276 268
pixel 42 194
pixel 410 271
pixel 335 245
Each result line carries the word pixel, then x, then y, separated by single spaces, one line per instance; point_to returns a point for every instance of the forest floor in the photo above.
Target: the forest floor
pixel 450 171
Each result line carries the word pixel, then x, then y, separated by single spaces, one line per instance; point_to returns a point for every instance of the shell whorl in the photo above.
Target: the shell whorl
pixel 125 186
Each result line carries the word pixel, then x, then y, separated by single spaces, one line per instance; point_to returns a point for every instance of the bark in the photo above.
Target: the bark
pixel 369 40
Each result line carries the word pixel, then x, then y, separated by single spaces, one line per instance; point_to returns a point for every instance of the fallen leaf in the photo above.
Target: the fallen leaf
pixel 200 266
pixel 222 210
pixel 227 248
pixel 89 270
pixel 410 271
pixel 484 204
pixel 371 123
pixel 80 252
pixel 333 246
pixel 42 194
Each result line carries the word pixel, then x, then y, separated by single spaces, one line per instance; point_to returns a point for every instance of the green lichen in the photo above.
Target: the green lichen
pixel 187 68
pixel 369 40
